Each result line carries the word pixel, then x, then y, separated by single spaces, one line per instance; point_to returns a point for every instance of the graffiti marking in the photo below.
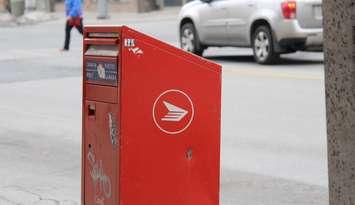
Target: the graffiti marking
pixel 98 175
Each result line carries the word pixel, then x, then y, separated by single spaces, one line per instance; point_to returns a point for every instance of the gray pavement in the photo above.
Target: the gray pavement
pixel 273 118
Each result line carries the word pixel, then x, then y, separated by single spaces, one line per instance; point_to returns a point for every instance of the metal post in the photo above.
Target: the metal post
pixel 102 9
pixel 160 4
pixel 17 7
pixel 30 5
pixel 339 22
pixel 44 5
pixel 146 5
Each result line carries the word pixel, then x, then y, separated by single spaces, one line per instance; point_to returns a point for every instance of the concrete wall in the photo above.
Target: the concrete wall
pixel 3 4
pixel 173 2
pixel 146 5
pixel 339 22
pixel 133 5
pixel 114 6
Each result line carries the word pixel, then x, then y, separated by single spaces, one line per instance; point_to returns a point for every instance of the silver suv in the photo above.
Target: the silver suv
pixel 270 27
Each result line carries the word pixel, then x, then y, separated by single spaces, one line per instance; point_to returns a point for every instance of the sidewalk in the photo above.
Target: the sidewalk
pixel 40 152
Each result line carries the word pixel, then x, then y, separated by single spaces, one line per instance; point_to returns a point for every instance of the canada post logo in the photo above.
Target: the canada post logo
pixel 173 111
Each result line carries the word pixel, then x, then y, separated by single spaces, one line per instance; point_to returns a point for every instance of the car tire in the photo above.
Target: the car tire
pixel 189 40
pixel 263 46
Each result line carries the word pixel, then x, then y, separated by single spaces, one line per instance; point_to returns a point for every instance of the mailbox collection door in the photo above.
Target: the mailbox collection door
pixel 101 153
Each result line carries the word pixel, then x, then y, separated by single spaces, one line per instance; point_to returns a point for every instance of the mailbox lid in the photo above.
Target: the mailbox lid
pixel 101 79
pixel 161 166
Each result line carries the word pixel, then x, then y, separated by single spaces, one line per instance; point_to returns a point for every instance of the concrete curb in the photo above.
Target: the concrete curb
pixel 30 18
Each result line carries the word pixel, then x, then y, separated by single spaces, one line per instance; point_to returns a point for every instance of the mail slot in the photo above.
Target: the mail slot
pixel 151 121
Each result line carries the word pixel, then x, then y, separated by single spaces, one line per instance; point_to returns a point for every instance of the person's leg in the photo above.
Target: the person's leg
pixel 80 26
pixel 68 28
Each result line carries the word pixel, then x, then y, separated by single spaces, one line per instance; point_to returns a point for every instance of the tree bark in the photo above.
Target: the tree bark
pixel 339 51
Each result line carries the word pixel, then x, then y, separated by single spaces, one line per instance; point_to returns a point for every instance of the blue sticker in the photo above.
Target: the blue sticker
pixel 101 72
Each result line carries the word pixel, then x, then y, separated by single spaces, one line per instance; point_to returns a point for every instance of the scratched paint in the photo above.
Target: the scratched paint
pixel 99 178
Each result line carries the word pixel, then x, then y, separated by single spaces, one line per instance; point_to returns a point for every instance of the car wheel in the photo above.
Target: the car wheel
pixel 263 46
pixel 189 40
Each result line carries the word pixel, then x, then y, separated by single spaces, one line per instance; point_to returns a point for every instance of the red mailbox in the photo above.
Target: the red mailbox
pixel 151 122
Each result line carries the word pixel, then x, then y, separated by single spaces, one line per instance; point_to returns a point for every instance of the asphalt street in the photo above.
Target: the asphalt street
pixel 273 118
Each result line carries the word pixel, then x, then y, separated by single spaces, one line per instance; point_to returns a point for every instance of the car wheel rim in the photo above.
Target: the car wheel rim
pixel 187 40
pixel 262 46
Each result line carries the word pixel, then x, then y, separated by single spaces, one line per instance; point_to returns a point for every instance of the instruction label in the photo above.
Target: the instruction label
pixel 101 72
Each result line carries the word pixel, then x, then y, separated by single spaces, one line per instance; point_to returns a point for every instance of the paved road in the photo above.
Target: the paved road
pixel 273 120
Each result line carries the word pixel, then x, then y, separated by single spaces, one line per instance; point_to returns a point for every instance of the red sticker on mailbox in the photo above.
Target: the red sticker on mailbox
pixel 173 111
